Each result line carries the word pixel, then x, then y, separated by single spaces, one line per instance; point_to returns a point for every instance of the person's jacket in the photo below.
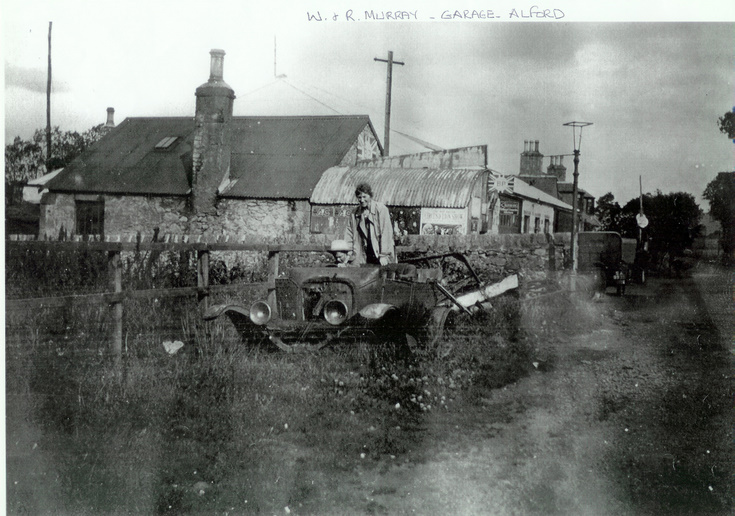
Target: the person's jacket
pixel 380 231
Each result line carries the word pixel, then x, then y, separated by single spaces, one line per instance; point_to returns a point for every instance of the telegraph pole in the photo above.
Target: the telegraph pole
pixel 391 62
pixel 48 102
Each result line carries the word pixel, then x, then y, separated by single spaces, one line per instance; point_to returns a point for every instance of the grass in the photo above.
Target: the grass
pixel 220 427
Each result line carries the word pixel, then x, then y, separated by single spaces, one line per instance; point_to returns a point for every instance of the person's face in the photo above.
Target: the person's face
pixel 363 199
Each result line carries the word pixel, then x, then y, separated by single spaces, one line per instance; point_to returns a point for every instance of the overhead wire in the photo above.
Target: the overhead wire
pixel 349 103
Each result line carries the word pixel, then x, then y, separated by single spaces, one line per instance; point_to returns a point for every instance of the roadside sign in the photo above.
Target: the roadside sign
pixel 642 220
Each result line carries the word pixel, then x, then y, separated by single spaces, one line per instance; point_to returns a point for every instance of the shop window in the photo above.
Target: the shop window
pixel 508 220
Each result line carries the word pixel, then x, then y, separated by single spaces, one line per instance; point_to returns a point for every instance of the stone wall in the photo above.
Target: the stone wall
pixel 533 257
pixel 530 256
pixel 57 215
pixel 127 216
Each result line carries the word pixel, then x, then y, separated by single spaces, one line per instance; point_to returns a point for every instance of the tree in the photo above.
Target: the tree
pixel 720 193
pixel 26 160
pixel 727 124
pixel 608 212
pixel 673 222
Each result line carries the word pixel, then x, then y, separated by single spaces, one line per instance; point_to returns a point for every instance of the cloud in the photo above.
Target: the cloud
pixel 31 79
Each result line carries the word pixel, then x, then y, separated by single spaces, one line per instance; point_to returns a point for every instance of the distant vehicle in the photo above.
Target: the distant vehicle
pixel 601 252
pixel 312 306
pixel 636 258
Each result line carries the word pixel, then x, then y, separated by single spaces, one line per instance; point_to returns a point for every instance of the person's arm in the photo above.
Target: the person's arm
pixel 387 246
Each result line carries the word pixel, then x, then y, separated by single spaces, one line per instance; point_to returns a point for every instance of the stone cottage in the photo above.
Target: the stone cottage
pixel 208 175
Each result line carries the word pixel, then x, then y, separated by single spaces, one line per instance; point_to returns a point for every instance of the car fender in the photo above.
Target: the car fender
pixel 239 315
pixel 215 311
pixel 376 311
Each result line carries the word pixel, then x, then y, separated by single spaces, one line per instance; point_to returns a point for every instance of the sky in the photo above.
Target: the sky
pixel 652 81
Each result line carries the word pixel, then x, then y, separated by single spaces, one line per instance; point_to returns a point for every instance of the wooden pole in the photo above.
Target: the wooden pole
pixel 203 278
pixel 115 271
pixel 48 102
pixel 274 259
pixel 388 87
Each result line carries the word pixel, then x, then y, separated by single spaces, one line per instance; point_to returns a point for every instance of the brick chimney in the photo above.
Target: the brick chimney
pixel 211 152
pixel 531 159
pixel 557 168
pixel 110 117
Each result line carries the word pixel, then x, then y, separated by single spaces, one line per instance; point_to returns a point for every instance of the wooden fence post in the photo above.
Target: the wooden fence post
pixel 115 271
pixel 203 278
pixel 274 259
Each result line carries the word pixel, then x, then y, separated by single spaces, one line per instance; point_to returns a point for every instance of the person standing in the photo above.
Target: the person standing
pixel 369 231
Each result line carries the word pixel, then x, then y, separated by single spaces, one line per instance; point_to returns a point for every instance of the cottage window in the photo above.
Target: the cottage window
pixel 537 225
pixel 90 217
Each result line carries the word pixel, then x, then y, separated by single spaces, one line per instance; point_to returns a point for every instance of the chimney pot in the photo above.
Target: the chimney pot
pixel 216 67
pixel 110 117
pixel 536 145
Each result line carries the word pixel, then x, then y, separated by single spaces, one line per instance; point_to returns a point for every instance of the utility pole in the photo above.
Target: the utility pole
pixel 275 61
pixel 391 62
pixel 48 102
pixel 640 208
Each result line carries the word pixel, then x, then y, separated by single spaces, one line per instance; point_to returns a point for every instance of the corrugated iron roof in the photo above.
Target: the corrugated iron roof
pixel 437 188
pixel 272 157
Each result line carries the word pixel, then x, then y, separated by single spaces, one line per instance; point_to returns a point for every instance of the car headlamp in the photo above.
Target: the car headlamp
pixel 260 313
pixel 335 312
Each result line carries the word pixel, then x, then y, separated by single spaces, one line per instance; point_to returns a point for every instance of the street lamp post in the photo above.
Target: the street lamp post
pixel 575 232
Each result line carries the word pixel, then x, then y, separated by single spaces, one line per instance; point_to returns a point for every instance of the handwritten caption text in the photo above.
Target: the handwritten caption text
pixel 350 15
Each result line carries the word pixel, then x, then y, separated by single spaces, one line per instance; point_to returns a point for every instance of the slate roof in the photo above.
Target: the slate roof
pixel 569 188
pixel 546 183
pixel 284 157
pixel 124 160
pixel 523 189
pixel 272 157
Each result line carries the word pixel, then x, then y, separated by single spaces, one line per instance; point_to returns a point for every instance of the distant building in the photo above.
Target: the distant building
pixel 554 182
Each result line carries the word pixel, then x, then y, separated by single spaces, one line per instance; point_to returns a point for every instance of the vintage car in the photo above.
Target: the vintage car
pixel 601 253
pixel 309 307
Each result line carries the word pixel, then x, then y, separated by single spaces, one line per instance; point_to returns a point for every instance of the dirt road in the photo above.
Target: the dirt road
pixel 633 416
